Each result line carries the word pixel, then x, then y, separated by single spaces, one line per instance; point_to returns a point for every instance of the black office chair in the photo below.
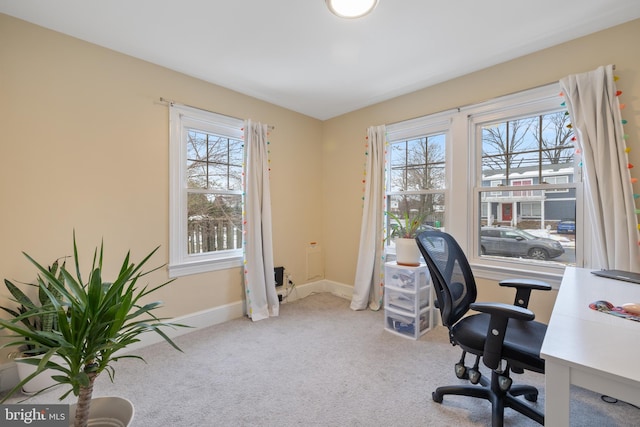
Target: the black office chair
pixel 503 335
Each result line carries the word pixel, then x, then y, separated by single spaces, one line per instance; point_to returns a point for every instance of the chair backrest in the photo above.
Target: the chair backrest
pixel 451 274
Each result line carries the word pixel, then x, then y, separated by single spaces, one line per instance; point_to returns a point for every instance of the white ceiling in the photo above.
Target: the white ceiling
pixel 295 54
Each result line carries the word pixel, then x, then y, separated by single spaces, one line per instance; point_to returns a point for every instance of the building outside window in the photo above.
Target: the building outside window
pixel 206 166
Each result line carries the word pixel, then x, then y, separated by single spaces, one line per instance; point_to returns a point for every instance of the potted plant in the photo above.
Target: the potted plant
pixel 405 230
pixel 35 317
pixel 96 321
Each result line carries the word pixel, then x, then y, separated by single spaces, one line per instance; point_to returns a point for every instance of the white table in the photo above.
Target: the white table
pixel 593 350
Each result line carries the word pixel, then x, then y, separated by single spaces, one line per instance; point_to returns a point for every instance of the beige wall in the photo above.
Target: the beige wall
pixel 344 136
pixel 84 145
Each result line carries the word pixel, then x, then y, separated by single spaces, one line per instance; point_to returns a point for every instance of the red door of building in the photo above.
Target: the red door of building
pixel 507 211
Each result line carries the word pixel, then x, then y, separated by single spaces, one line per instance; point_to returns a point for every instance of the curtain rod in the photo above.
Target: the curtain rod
pixel 461 107
pixel 172 102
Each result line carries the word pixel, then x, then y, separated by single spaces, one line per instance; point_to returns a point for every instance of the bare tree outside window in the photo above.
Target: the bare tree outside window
pixel 214 183
pixel 556 138
pixel 530 142
pixel 417 179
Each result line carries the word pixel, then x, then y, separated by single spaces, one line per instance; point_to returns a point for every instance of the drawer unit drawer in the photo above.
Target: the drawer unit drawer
pixel 409 278
pixel 406 301
pixel 406 325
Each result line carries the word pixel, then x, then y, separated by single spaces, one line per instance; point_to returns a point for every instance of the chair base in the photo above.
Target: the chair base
pixel 499 399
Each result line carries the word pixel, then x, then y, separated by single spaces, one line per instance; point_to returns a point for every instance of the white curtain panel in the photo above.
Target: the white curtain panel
pixel 368 285
pixel 259 277
pixel 611 224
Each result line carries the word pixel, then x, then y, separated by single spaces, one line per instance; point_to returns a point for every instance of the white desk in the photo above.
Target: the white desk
pixel 593 350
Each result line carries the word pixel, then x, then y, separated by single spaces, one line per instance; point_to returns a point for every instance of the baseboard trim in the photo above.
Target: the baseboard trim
pixel 199 320
pixel 338 289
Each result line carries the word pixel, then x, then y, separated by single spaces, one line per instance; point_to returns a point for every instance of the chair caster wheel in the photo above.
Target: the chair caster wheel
pixel 436 398
pixel 504 383
pixel 474 376
pixel 461 371
pixel 531 397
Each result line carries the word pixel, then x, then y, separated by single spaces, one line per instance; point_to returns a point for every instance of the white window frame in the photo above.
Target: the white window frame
pixel 439 123
pixel 531 102
pixel 463 170
pixel 182 118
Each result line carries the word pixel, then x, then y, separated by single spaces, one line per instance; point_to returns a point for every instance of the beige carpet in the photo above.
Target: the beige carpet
pixel 318 364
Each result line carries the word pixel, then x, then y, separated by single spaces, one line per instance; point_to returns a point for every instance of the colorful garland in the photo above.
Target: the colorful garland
pixel 627 149
pixel 244 223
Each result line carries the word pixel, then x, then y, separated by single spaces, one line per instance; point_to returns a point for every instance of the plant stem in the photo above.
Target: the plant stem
pixel 84 403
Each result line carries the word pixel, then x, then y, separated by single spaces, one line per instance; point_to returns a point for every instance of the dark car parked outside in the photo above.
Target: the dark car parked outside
pixel 512 242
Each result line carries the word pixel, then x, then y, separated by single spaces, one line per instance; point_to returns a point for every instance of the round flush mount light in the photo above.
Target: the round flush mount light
pixel 351 8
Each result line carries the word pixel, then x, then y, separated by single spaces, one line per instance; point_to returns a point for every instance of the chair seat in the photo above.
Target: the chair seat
pixel 521 344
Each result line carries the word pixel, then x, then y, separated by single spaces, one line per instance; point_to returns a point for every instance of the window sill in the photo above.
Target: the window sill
pixel 498 273
pixel 197 267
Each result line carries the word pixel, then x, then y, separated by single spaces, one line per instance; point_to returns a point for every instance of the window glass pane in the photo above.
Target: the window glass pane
pixel 224 176
pixel 214 222
pixel 533 147
pixel 435 177
pixel 196 159
pixel 235 178
pixel 417 164
pixel 196 145
pixel 197 174
pixel 430 207
pixel 522 137
pixel 557 179
pixel 236 152
pixel 493 137
pixel 213 161
pixel 533 226
pixel 557 139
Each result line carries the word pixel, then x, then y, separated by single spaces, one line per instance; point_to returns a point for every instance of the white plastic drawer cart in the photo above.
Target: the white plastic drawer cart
pixel 408 300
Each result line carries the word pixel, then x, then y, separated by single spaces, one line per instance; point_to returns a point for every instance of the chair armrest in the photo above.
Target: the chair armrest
pixel 524 288
pixel 526 283
pixel 503 310
pixel 500 314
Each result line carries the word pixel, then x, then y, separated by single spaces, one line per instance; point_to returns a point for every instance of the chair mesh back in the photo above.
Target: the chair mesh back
pixel 451 274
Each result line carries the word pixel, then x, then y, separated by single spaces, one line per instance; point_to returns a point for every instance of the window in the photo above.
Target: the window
pixel 495 184
pixel 530 210
pixel 564 179
pixel 516 182
pixel 206 165
pixel 503 177
pixel 524 143
pixel 416 177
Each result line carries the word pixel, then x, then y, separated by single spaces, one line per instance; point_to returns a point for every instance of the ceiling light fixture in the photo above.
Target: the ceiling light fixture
pixel 351 8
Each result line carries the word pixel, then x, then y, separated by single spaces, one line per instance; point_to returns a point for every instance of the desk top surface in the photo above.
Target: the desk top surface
pixel 586 338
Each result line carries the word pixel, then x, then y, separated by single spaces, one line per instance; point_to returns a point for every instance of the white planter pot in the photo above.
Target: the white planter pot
pixel 42 380
pixel 407 252
pixel 109 411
